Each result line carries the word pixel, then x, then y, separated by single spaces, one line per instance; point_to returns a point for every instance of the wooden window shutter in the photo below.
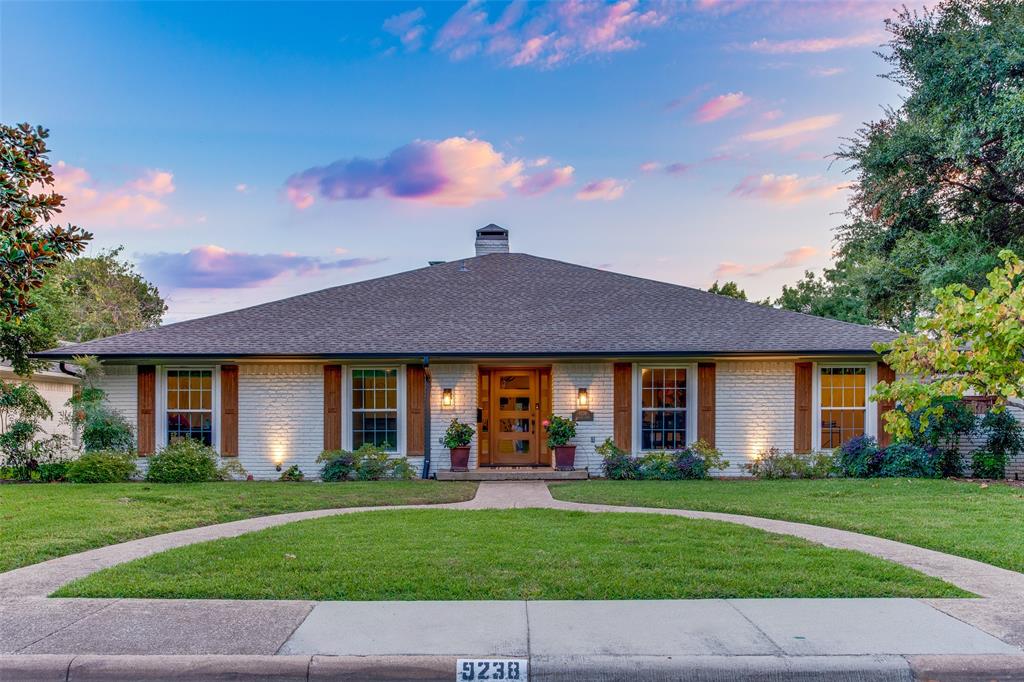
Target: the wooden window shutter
pixel 706 402
pixel 622 384
pixel 803 407
pixel 415 384
pixel 332 407
pixel 146 406
pixel 229 410
pixel 546 410
pixel 888 375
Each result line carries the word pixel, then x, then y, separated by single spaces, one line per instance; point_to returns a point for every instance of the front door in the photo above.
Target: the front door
pixel 515 417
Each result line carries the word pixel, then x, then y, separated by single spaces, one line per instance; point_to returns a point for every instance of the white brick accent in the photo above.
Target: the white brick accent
pixel 753 409
pixel 57 394
pixel 462 379
pixel 280 414
pixel 120 383
pixel 596 377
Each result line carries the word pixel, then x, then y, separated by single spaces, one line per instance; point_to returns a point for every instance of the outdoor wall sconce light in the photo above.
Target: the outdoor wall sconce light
pixel 582 413
pixel 278 466
pixel 447 399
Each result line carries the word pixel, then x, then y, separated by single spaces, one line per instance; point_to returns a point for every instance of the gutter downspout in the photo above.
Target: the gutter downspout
pixel 70 372
pixel 426 417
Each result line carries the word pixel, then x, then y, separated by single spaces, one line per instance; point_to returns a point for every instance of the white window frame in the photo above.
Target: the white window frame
pixel 161 402
pixel 870 406
pixel 346 417
pixel 691 400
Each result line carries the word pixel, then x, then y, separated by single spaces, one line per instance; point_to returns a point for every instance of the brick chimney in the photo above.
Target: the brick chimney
pixel 491 239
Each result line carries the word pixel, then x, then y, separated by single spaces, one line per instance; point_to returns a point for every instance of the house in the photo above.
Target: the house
pixel 56 388
pixel 500 341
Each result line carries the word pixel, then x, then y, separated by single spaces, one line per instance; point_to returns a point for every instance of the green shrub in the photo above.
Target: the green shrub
pixel 49 472
pixel 658 466
pixel 561 430
pixel 183 461
pixel 618 464
pixel 774 464
pixel 101 466
pixel 906 460
pixel 1004 438
pixel 710 455
pixel 458 435
pixel 368 463
pixel 858 457
pixel 338 465
pixel 943 432
pixel 292 473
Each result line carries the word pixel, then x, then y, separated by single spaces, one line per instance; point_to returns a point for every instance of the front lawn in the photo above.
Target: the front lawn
pixel 40 522
pixel 959 518
pixel 508 554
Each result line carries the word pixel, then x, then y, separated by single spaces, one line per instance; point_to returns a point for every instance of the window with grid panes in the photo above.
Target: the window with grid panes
pixel 843 404
pixel 663 408
pixel 375 407
pixel 190 405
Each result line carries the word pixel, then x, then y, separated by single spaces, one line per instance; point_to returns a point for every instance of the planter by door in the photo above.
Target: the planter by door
pixel 565 457
pixel 460 459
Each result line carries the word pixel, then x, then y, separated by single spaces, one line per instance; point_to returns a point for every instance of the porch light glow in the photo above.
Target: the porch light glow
pixel 277 454
pixel 447 399
pixel 582 399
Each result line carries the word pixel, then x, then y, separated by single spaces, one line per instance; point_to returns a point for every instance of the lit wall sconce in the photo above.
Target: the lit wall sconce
pixel 582 413
pixel 447 399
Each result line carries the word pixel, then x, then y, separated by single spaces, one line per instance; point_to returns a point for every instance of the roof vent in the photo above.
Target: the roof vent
pixel 432 263
pixel 491 239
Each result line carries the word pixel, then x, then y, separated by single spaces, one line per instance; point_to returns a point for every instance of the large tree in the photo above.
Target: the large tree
pixel 30 247
pixel 102 295
pixel 939 181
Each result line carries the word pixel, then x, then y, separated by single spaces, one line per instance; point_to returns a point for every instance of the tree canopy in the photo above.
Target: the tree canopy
pixel 972 344
pixel 730 289
pixel 939 181
pixel 29 246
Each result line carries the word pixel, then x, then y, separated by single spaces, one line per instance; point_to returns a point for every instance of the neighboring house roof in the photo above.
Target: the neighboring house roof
pixel 52 374
pixel 493 305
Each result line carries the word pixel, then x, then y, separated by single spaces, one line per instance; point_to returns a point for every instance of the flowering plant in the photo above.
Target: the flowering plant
pixel 560 430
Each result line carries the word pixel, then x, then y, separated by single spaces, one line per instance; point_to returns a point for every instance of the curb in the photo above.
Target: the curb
pixel 889 668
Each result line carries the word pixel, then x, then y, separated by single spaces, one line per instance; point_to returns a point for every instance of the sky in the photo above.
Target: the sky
pixel 244 152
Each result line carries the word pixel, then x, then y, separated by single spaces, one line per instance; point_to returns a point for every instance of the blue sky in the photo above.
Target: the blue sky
pixel 242 152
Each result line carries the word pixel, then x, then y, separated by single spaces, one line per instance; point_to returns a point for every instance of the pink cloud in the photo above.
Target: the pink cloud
pixel 135 203
pixel 785 189
pixel 213 267
pixel 407 28
pixel 649 166
pixel 796 128
pixel 547 35
pixel 720 107
pixel 546 180
pixel 457 171
pixel 790 259
pixel 826 72
pixel 814 45
pixel 608 189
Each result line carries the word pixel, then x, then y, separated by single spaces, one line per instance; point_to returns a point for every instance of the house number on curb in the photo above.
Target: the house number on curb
pixel 467 669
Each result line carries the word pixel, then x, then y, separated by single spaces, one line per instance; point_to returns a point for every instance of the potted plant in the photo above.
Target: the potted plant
pixel 457 438
pixel 560 431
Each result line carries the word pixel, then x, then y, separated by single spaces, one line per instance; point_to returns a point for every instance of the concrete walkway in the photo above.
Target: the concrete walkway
pixel 855 634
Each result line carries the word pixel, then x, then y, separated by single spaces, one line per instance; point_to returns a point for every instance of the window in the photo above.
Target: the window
pixel 662 408
pixel 375 408
pixel 190 405
pixel 843 394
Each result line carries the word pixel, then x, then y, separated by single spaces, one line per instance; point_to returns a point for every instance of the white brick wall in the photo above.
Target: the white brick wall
pixel 120 382
pixel 280 414
pixel 462 379
pixel 57 394
pixel 596 377
pixel 753 410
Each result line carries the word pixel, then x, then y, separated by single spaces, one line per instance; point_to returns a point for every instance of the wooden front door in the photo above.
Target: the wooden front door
pixel 512 409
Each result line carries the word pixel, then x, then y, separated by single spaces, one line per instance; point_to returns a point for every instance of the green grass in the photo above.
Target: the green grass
pixel 964 519
pixel 39 522
pixel 507 554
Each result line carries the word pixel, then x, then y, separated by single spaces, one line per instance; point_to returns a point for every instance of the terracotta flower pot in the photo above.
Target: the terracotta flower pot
pixel 460 458
pixel 565 457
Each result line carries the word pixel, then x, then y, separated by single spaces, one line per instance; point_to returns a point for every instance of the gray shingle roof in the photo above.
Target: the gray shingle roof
pixel 498 304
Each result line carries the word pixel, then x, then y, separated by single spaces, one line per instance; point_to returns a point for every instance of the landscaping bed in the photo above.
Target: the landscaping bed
pixel 40 522
pixel 977 521
pixel 438 554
